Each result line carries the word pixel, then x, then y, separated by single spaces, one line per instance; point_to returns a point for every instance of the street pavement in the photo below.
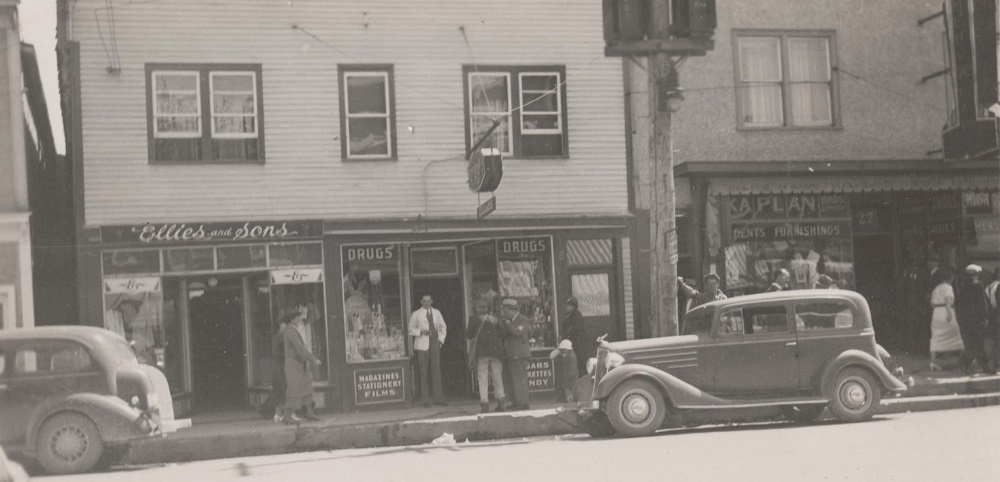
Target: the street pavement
pixel 933 446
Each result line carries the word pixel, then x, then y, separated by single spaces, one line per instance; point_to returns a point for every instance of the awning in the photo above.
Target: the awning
pixel 854 184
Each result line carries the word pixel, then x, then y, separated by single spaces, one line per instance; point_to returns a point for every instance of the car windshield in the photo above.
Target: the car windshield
pixel 125 354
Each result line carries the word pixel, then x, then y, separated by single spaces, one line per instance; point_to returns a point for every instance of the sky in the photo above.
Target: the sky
pixel 37 19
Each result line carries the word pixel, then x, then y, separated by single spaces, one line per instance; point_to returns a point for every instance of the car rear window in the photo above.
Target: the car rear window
pixel 823 315
pixel 754 320
pixel 52 358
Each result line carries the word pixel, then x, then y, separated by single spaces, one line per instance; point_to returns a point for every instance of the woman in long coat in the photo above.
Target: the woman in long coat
pixel 945 334
pixel 298 383
pixel 276 400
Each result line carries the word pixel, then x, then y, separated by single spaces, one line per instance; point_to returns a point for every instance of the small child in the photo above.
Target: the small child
pixel 564 361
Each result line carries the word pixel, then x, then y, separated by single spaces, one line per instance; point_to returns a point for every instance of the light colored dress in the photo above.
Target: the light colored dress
pixel 945 335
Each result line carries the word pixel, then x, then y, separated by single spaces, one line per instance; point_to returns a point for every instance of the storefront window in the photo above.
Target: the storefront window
pixel 145 314
pixel 263 330
pixel 981 229
pixel 524 272
pixel 806 234
pixel 373 305
pixel 131 262
pixel 297 254
pixel 303 297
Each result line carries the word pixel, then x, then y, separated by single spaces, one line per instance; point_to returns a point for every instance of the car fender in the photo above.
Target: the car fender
pixel 677 392
pixel 848 358
pixel 115 419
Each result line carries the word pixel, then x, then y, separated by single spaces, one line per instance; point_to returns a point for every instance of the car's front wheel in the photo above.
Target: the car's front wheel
pixel 636 408
pixel 854 395
pixel 68 443
pixel 802 413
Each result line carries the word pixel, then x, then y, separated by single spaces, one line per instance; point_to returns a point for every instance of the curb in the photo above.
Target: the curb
pixel 470 427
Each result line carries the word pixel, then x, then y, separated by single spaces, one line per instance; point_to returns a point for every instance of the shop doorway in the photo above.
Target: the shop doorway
pixel 594 291
pixel 448 298
pixel 875 279
pixel 215 314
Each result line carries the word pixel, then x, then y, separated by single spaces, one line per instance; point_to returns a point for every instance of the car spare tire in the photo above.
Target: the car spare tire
pixel 636 408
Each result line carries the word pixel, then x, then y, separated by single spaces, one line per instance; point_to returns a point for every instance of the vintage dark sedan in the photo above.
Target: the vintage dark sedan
pixel 73 397
pixel 797 350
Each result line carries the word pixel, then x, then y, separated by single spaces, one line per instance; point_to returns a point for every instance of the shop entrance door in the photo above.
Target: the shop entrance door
pixel 215 314
pixel 875 279
pixel 594 290
pixel 448 299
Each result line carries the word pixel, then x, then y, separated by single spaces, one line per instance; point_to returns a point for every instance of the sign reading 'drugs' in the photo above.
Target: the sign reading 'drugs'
pixel 379 385
pixel 172 233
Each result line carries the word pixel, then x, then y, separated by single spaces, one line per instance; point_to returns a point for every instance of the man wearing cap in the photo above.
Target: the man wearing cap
pixel 971 312
pixel 574 330
pixel 486 353
pixel 515 328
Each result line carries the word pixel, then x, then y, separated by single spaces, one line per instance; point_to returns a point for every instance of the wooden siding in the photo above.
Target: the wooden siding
pixel 303 176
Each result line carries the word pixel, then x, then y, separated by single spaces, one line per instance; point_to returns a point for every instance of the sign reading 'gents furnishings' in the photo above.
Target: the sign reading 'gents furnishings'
pixel 379 385
pixel 170 233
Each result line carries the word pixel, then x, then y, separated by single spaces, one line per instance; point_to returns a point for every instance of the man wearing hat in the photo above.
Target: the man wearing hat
pixel 515 328
pixel 575 331
pixel 972 312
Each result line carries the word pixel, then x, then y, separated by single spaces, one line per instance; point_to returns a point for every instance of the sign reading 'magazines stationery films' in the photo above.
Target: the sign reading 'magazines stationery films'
pixel 172 233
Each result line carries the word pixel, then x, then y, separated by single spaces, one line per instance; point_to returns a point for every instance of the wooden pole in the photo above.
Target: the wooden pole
pixel 663 233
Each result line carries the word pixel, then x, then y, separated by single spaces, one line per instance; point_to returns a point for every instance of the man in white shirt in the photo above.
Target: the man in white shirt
pixel 428 331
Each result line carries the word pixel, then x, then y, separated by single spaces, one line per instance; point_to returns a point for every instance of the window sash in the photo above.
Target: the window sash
pixel 348 116
pixel 505 115
pixel 158 115
pixel 556 91
pixel 214 115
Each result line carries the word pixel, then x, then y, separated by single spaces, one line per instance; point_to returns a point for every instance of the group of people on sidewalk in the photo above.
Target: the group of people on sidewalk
pixel 965 320
pixel 500 352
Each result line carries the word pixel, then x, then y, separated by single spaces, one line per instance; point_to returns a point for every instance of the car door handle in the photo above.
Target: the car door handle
pixel 792 343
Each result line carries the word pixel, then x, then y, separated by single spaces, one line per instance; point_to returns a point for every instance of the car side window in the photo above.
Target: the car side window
pixel 823 315
pixel 52 358
pixel 750 321
pixel 731 323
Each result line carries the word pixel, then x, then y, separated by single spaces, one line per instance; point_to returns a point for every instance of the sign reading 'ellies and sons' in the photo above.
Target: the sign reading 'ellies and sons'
pixel 171 233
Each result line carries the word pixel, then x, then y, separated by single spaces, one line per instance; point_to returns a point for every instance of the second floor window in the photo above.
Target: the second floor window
pixel 529 102
pixel 204 113
pixel 367 112
pixel 785 80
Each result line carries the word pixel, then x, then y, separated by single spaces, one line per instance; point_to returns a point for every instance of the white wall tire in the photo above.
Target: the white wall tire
pixel 68 443
pixel 855 395
pixel 636 408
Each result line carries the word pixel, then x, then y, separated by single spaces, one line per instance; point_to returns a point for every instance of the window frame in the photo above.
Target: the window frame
pixel 205 111
pixel 515 75
pixel 387 71
pixel 785 82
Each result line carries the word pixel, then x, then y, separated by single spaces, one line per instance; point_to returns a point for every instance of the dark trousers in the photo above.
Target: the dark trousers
pixel 515 381
pixel 972 338
pixel 430 360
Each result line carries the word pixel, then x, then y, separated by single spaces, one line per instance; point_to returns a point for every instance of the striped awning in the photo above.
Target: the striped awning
pixel 849 184
pixel 589 252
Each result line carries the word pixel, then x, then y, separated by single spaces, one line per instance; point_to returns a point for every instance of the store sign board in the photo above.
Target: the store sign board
pixel 779 207
pixel 296 276
pixel 486 208
pixel 518 246
pixel 174 233
pixel 541 374
pixel 798 230
pixel 379 385
pixel 131 285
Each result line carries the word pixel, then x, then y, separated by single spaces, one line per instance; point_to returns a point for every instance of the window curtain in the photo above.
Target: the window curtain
pixel 809 73
pixel 760 73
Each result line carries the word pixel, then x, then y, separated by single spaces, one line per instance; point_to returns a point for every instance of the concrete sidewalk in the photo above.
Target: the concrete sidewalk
pixel 250 436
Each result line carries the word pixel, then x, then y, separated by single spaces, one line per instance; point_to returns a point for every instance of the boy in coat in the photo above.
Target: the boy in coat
pixel 564 361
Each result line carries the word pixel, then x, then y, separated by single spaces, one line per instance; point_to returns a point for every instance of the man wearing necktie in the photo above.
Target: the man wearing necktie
pixel 428 330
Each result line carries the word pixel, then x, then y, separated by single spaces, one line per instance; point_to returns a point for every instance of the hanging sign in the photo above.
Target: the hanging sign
pixel 486 208
pixel 485 170
pixel 131 285
pixel 379 385
pixel 296 276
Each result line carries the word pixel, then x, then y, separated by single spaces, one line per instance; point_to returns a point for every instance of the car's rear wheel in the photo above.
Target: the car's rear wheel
pixel 802 413
pixel 68 443
pixel 854 395
pixel 636 408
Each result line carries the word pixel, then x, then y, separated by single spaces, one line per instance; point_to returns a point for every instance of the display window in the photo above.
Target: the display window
pixel 373 303
pixel 524 272
pixel 981 228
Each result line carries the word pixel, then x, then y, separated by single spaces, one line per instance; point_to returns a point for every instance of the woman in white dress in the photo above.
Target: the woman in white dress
pixel 945 334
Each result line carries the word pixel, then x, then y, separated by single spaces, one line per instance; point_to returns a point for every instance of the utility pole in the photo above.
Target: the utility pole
pixel 662 232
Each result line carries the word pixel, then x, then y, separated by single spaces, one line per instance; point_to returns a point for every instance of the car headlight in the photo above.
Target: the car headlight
pixel 613 360
pixel 591 365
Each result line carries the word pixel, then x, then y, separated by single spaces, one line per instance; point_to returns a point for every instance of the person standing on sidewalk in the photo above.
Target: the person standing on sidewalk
pixel 429 331
pixel 945 335
pixel 564 363
pixel 486 355
pixel 298 389
pixel 575 331
pixel 273 406
pixel 991 340
pixel 971 312
pixel 515 336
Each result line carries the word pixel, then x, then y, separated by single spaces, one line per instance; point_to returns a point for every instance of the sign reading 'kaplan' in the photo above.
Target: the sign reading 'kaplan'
pixel 200 232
